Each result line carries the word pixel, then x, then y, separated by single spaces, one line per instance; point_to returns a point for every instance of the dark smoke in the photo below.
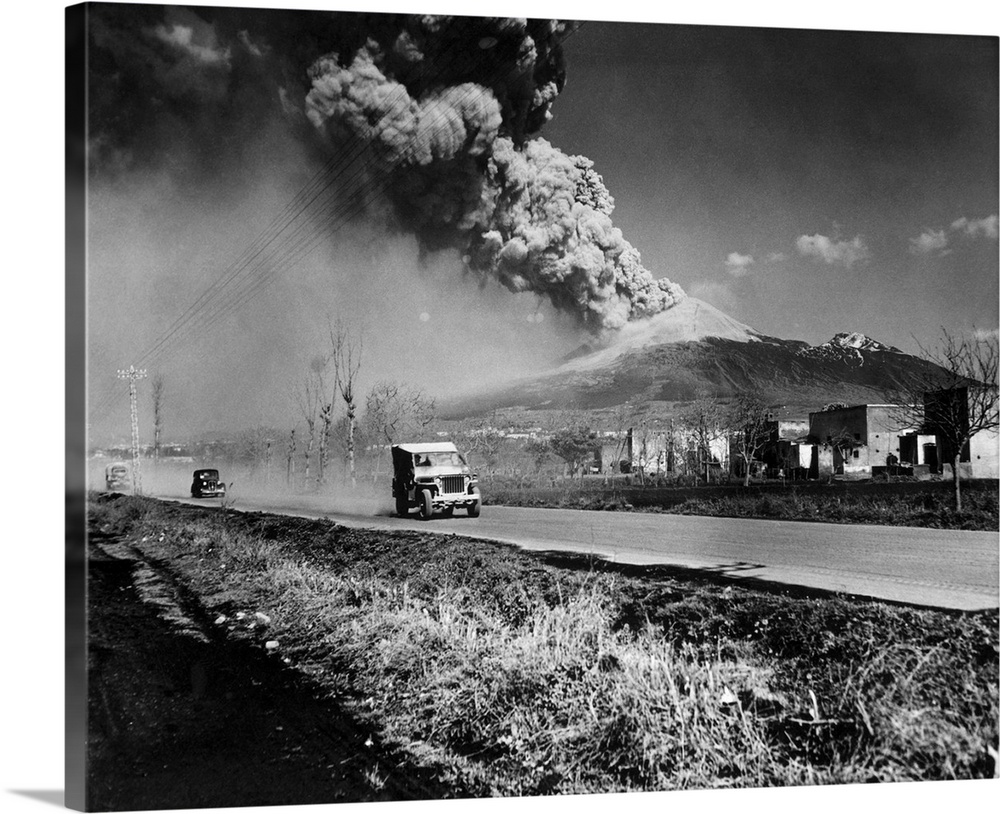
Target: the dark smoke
pixel 443 114
pixel 446 110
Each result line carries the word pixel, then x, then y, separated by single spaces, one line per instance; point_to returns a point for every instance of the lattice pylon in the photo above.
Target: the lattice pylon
pixel 133 376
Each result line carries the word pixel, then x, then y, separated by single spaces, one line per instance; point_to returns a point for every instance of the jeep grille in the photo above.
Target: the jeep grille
pixel 451 484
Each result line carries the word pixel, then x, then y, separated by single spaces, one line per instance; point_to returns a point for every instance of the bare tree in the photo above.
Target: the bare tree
pixel 703 420
pixel 748 421
pixel 624 420
pixel 157 392
pixel 323 411
pixel 325 423
pixel 290 458
pixel 253 448
pixel 268 457
pixel 652 447
pixel 962 402
pixel 394 411
pixel 485 439
pixel 346 355
pixel 308 399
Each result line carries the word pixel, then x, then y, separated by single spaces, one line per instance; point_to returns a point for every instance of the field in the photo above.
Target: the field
pixel 488 671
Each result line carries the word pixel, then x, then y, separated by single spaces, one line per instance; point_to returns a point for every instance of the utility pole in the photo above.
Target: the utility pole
pixel 133 376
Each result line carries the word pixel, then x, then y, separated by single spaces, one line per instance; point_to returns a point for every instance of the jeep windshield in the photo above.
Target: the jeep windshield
pixel 439 459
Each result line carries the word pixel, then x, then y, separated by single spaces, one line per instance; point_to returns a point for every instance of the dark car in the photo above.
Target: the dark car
pixel 206 483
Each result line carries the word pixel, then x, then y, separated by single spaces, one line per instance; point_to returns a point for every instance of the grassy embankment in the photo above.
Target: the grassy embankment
pixel 513 676
pixel 901 503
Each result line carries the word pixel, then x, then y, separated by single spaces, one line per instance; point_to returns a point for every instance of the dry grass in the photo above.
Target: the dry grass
pixel 516 678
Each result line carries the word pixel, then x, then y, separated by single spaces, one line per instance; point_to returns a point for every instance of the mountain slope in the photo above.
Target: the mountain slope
pixel 690 320
pixel 694 348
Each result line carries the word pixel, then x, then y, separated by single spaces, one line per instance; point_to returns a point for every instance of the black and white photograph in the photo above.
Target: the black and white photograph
pixel 463 405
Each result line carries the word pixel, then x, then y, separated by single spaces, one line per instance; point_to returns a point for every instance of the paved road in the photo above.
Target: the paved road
pixel 947 569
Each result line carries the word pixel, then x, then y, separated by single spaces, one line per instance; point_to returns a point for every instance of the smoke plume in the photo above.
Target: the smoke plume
pixel 445 111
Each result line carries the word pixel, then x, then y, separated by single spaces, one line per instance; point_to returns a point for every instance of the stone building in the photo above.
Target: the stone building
pixel 947 416
pixel 852 442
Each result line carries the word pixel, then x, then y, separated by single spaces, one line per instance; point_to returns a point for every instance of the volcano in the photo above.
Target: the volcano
pixel 694 349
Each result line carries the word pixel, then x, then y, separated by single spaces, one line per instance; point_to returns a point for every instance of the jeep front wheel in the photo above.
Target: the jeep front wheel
pixel 426 505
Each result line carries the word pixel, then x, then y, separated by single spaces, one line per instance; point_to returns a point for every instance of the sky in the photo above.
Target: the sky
pixel 804 182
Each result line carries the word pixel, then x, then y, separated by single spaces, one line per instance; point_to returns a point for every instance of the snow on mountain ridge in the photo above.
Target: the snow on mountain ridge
pixel 858 341
pixel 693 320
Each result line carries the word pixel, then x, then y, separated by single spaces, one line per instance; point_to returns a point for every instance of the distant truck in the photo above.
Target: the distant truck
pixel 433 478
pixel 116 476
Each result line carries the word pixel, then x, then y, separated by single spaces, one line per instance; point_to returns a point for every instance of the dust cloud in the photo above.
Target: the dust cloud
pixel 171 480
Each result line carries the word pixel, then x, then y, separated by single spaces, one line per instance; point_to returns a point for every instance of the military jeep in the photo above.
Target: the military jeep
pixel 433 477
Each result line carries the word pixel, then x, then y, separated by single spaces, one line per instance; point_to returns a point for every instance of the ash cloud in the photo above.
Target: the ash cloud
pixel 206 122
pixel 434 121
pixel 447 110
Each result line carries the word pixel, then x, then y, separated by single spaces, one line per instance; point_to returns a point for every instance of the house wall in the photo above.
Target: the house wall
pixel 658 452
pixel 610 452
pixel 919 444
pixel 984 455
pixel 827 425
pixel 784 449
pixel 649 450
pixel 788 429
pixel 821 465
pixel 885 428
pixel 874 430
pixel 980 458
